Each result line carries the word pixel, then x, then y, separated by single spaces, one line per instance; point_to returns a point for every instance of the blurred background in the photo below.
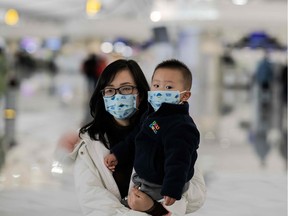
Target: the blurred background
pixel 236 49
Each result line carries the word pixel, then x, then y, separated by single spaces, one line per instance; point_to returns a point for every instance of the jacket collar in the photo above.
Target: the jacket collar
pixel 84 138
pixel 169 109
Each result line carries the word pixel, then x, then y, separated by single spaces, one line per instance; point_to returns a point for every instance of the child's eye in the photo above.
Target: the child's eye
pixel 156 86
pixel 168 87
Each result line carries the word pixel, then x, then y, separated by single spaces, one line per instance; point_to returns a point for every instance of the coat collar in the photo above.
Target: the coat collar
pixel 73 155
pixel 169 109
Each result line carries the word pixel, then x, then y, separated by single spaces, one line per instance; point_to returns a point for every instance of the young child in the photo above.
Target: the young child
pixel 165 143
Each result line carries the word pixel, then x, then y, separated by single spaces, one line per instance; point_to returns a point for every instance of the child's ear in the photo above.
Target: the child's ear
pixel 186 96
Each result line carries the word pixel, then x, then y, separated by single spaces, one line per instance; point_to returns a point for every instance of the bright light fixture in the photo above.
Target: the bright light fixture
pixel 155 16
pixel 240 2
pixel 106 47
pixel 93 7
pixel 11 17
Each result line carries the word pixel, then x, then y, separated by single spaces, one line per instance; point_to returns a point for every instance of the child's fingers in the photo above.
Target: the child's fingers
pixel 112 168
pixel 106 162
pixel 168 201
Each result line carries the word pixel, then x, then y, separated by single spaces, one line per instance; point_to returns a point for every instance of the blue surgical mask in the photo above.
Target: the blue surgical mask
pixel 156 98
pixel 121 106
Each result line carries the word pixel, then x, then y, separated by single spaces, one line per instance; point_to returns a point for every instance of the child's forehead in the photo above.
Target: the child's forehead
pixel 167 73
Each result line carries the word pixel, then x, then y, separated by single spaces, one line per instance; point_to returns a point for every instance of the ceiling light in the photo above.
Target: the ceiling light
pixel 155 16
pixel 11 17
pixel 240 2
pixel 106 47
pixel 93 7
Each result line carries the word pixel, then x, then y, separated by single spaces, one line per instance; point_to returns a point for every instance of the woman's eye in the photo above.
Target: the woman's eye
pixel 109 91
pixel 126 89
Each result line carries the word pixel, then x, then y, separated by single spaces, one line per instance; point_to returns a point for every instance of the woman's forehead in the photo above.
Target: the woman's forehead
pixel 123 77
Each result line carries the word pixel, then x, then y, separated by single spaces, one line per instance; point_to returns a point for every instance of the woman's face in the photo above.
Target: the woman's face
pixel 123 78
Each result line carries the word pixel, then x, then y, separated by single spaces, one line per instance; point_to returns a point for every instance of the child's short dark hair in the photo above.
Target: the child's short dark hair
pixel 176 64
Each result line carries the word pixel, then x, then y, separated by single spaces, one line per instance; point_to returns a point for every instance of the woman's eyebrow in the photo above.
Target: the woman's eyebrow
pixel 121 84
pixel 126 83
pixel 109 85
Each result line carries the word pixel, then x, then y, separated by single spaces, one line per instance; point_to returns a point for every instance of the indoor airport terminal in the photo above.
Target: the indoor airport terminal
pixel 59 78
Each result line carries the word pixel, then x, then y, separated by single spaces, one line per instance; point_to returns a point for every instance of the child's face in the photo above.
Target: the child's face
pixel 166 79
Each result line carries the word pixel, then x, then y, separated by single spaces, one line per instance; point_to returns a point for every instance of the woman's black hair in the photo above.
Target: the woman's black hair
pixel 96 128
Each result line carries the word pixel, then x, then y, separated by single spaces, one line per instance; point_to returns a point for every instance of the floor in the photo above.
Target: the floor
pixel 36 178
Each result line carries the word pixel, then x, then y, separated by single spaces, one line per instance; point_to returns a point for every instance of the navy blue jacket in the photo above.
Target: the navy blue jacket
pixel 165 148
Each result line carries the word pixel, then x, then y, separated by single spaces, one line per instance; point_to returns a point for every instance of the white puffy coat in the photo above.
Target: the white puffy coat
pixel 97 190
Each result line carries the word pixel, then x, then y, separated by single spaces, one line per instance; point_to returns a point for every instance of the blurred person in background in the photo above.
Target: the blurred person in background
pixel 92 68
pixel 99 190
pixel 52 71
pixel 25 65
pixel 3 83
pixel 263 80
pixel 284 84
pixel 283 81
pixel 264 73
pixel 3 71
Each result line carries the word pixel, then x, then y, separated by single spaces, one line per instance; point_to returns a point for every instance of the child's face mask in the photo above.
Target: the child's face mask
pixel 121 106
pixel 156 98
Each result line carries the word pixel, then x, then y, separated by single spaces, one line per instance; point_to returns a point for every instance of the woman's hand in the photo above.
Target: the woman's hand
pixel 139 201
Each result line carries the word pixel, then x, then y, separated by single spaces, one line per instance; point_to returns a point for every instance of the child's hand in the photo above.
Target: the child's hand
pixel 169 201
pixel 111 161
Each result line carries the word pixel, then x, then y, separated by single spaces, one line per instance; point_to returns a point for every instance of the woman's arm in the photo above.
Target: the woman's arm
pixel 96 200
pixel 93 197
pixel 196 194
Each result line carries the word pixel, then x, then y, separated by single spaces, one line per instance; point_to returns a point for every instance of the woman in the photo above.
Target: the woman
pixel 100 191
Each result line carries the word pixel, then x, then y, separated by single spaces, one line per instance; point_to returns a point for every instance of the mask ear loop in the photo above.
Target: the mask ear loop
pixel 181 102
